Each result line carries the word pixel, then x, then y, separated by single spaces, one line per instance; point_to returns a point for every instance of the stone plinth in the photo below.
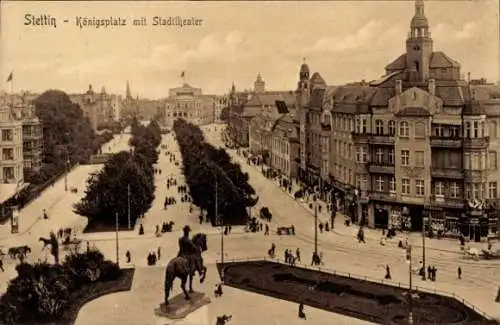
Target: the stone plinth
pixel 178 307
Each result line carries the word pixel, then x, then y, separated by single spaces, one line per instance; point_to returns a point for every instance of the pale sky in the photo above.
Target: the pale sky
pixel 344 41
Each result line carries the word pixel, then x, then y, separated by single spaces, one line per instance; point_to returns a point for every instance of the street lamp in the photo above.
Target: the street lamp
pixel 315 226
pixel 66 167
pixel 405 225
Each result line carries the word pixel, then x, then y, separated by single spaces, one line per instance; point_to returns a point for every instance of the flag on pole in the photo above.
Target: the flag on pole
pixel 182 74
pixel 10 77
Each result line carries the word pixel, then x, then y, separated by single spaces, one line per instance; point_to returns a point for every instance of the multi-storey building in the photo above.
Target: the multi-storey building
pixel 11 146
pixel 274 137
pixel 419 138
pixel 244 106
pixel 32 135
pixel 190 104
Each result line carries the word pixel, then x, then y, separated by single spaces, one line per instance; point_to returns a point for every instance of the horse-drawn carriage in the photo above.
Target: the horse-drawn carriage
pixel 490 254
pixel 19 251
pixel 285 230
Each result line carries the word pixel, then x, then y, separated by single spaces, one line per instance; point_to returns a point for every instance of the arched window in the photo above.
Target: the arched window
pixel 379 127
pixel 404 129
pixel 392 128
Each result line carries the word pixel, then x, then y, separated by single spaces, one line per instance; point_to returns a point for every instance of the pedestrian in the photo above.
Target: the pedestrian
pixel 230 228
pixel 434 271
pixel 321 258
pixel 459 272
pixel 302 315
pixel 1 265
pixel 429 272
pixel 200 217
pixel 297 253
pixel 286 255
pixel 127 255
pixel 158 252
pixel 387 272
pixel 321 227
pixel 266 233
pixel 261 225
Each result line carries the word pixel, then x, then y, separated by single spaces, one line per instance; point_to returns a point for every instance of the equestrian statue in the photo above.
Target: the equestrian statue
pixel 187 263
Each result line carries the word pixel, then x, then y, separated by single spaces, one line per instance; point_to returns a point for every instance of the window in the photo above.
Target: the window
pixel 379 184
pixel 404 129
pixel 392 185
pixel 358 126
pixel 8 173
pixel 420 130
pixel 419 187
pixel 492 190
pixel 475 161
pixel 379 156
pixel 492 160
pixel 419 158
pixel 7 135
pixel 454 190
pixel 476 191
pixel 359 154
pixel 467 129
pixel 7 154
pixel 405 186
pixel 364 182
pixel 437 131
pixel 476 129
pixel 392 128
pixel 363 126
pixel 379 127
pixel 438 188
pixel 391 156
pixel 405 157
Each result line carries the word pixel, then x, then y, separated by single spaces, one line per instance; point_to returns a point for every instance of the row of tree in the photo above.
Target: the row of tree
pixel 209 171
pixel 125 186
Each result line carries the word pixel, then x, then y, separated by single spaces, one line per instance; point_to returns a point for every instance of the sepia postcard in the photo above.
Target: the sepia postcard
pixel 250 162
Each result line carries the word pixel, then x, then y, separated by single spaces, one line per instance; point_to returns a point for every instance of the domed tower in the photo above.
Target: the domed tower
pixel 301 103
pixel 259 86
pixel 419 45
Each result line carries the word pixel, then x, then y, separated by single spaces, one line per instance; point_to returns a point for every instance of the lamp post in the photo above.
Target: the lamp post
pixel 128 208
pixel 315 226
pixel 220 221
pixel 405 216
pixel 66 171
pixel 117 241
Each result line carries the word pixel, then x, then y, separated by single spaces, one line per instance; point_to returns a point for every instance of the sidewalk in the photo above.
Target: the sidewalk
pixel 445 244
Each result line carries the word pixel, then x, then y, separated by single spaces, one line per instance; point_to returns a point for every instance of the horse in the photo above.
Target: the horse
pixel 46 242
pixel 184 267
pixel 19 251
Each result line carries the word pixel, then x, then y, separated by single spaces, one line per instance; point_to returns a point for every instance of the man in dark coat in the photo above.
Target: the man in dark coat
pixel 188 249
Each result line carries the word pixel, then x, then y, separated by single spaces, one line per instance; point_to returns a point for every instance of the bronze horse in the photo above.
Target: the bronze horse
pixel 184 267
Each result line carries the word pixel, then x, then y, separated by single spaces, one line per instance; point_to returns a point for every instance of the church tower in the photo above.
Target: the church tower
pixel 259 86
pixel 419 46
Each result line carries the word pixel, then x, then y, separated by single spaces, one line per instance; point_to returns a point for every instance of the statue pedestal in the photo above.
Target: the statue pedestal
pixel 178 307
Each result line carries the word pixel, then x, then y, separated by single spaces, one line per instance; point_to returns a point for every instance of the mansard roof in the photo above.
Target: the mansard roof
pixel 438 60
pixel 413 111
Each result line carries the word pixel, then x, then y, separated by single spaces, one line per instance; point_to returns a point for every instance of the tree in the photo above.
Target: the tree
pixel 206 166
pixel 107 193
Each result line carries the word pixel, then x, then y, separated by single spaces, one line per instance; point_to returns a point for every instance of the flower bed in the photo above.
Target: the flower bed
pixel 94 291
pixel 369 301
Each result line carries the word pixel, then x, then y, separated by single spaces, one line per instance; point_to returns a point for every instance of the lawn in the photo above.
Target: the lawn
pixel 369 301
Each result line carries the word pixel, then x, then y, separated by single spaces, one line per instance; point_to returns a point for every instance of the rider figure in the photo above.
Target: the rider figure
pixel 186 246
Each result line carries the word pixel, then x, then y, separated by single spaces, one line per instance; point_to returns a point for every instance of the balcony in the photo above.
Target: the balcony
pixel 448 202
pixel 446 142
pixel 381 168
pixel 383 196
pixel 450 173
pixel 360 137
pixel 382 139
pixel 476 143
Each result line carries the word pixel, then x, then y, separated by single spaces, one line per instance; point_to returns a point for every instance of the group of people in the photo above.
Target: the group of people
pixel 154 257
pixel 290 258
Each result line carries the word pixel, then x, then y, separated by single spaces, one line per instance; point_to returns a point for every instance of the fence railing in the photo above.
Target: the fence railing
pixel 364 278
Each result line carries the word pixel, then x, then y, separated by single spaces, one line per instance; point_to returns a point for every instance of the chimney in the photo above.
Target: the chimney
pixel 399 87
pixel 432 87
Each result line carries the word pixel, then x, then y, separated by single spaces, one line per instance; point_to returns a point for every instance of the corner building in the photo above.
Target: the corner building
pixel 419 138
